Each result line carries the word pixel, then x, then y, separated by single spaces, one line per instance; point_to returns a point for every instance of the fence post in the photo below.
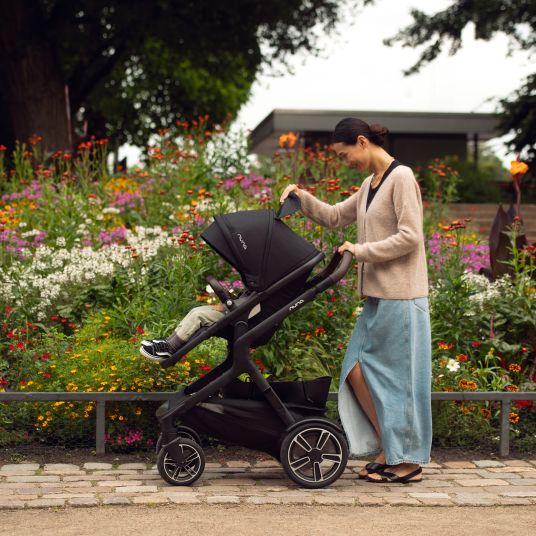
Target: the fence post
pixel 100 426
pixel 504 446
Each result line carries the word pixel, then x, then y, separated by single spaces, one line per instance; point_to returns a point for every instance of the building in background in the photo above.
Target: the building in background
pixel 415 137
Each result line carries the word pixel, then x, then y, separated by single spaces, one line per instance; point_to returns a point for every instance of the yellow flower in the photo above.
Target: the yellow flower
pixel 514 367
pixel 514 418
pixel 512 388
pixel 40 418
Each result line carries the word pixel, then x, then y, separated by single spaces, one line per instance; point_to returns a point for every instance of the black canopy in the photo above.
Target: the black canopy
pixel 258 245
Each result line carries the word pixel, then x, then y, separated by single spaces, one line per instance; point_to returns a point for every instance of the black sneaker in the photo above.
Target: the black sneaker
pixel 156 352
pixel 151 342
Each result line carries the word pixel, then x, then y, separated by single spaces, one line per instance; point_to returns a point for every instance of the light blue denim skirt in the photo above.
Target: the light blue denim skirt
pixel 392 343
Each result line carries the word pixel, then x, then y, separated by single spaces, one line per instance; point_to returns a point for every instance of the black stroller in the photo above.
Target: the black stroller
pixel 284 419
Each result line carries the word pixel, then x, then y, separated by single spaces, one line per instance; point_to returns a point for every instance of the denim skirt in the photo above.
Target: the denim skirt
pixel 392 342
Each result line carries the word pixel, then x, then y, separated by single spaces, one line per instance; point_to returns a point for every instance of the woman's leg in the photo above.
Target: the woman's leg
pixel 359 386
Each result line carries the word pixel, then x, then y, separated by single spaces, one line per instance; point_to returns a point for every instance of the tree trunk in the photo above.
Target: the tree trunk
pixel 33 88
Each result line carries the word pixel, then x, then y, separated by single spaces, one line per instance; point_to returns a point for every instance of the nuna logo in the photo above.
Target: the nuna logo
pixel 241 240
pixel 295 305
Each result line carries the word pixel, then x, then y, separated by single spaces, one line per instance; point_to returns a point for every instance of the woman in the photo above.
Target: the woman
pixel 385 387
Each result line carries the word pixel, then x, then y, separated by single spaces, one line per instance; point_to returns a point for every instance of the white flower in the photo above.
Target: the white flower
pixel 110 210
pixel 23 224
pixel 453 365
pixel 99 217
pixel 60 241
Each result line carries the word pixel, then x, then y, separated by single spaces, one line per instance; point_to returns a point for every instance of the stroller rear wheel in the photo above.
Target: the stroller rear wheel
pixel 184 466
pixel 314 454
pixel 182 431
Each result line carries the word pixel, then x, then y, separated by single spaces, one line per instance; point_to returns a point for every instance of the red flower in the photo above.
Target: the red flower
pixel 71 325
pixel 46 374
pixel 11 347
pixel 20 345
pixel 523 403
pixel 140 330
pixel 54 317
pixel 45 356
pixel 63 320
pixel 10 335
pixel 3 382
pixel 476 344
pixel 133 339
pixel 330 313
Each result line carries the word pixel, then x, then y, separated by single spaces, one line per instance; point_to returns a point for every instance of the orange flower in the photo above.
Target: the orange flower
pixel 288 139
pixel 518 168
pixel 514 418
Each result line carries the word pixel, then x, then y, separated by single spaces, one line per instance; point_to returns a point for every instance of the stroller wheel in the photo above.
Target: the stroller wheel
pixel 182 431
pixel 314 455
pixel 185 466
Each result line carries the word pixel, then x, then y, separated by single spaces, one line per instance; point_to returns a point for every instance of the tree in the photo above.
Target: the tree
pixel 515 18
pixel 127 68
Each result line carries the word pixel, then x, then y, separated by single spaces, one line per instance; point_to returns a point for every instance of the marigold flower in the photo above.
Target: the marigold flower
pixel 513 417
pixel 512 388
pixel 514 367
pixel 462 358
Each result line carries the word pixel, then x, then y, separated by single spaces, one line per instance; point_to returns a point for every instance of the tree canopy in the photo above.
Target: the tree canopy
pixel 516 19
pixel 128 68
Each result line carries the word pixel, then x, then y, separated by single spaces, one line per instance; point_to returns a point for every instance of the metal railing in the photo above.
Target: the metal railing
pixel 100 399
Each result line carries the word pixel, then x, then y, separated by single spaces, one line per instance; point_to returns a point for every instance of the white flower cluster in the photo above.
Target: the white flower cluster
pixel 53 275
pixel 486 291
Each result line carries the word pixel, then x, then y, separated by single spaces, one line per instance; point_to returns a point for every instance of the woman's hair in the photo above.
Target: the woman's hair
pixel 349 128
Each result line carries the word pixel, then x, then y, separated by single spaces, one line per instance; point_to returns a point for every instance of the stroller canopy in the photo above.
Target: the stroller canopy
pixel 258 245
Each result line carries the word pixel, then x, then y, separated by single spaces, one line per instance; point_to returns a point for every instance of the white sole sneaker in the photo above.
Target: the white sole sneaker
pixel 147 355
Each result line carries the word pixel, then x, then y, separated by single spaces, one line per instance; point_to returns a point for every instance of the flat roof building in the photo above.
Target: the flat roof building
pixel 414 138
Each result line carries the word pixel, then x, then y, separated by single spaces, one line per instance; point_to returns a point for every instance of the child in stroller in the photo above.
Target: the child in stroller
pixel 204 315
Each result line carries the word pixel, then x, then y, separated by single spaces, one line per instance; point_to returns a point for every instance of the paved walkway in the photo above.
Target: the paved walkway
pixel 456 483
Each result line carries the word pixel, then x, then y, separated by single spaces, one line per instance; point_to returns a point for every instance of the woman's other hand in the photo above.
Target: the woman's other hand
pixel 290 188
pixel 347 246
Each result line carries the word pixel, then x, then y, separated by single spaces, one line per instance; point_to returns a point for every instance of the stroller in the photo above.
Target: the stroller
pixel 284 419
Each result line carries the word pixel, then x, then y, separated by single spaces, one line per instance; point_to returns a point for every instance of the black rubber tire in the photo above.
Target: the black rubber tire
pixel 182 431
pixel 167 467
pixel 323 440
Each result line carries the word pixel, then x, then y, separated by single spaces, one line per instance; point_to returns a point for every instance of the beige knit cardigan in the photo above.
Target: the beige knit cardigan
pixel 390 245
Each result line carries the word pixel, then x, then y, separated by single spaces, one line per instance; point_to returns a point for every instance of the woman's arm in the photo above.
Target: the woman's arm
pixel 408 208
pixel 330 216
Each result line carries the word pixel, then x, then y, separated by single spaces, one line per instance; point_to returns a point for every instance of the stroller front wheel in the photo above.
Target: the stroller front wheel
pixel 314 455
pixel 182 431
pixel 181 462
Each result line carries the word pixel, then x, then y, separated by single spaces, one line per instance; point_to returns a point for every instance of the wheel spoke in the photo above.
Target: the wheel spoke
pixel 317 472
pixel 332 457
pixel 298 464
pixel 192 458
pixel 322 439
pixel 303 443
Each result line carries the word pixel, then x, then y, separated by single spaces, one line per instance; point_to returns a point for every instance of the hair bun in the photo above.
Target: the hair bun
pixel 379 133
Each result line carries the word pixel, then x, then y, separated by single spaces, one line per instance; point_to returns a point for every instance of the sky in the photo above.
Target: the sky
pixel 356 71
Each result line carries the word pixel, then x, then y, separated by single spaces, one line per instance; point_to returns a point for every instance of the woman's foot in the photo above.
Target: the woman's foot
pixel 400 470
pixel 363 472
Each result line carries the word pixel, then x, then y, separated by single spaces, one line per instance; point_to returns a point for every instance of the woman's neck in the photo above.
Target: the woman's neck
pixel 380 161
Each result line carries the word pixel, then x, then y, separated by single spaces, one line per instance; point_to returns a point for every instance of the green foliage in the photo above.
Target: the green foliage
pixel 514 18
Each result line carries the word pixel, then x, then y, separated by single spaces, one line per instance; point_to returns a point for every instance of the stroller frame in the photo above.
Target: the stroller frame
pixel 238 359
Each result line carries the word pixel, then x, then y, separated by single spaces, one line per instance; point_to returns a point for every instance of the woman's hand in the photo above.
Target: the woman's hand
pixel 347 246
pixel 290 188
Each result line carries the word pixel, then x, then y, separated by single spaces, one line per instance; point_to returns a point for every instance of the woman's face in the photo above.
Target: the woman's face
pixel 355 156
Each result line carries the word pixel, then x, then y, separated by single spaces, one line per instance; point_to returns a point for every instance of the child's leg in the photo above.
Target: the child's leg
pixel 203 315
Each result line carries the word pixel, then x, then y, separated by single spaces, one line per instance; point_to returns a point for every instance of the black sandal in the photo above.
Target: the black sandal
pixel 373 467
pixel 393 478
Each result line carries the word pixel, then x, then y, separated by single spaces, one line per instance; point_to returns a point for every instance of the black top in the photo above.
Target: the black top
pixel 373 191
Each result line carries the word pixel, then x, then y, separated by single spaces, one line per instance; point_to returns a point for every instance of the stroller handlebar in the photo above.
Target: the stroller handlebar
pixel 343 265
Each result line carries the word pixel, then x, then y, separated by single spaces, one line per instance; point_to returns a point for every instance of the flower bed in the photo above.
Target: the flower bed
pixel 93 262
